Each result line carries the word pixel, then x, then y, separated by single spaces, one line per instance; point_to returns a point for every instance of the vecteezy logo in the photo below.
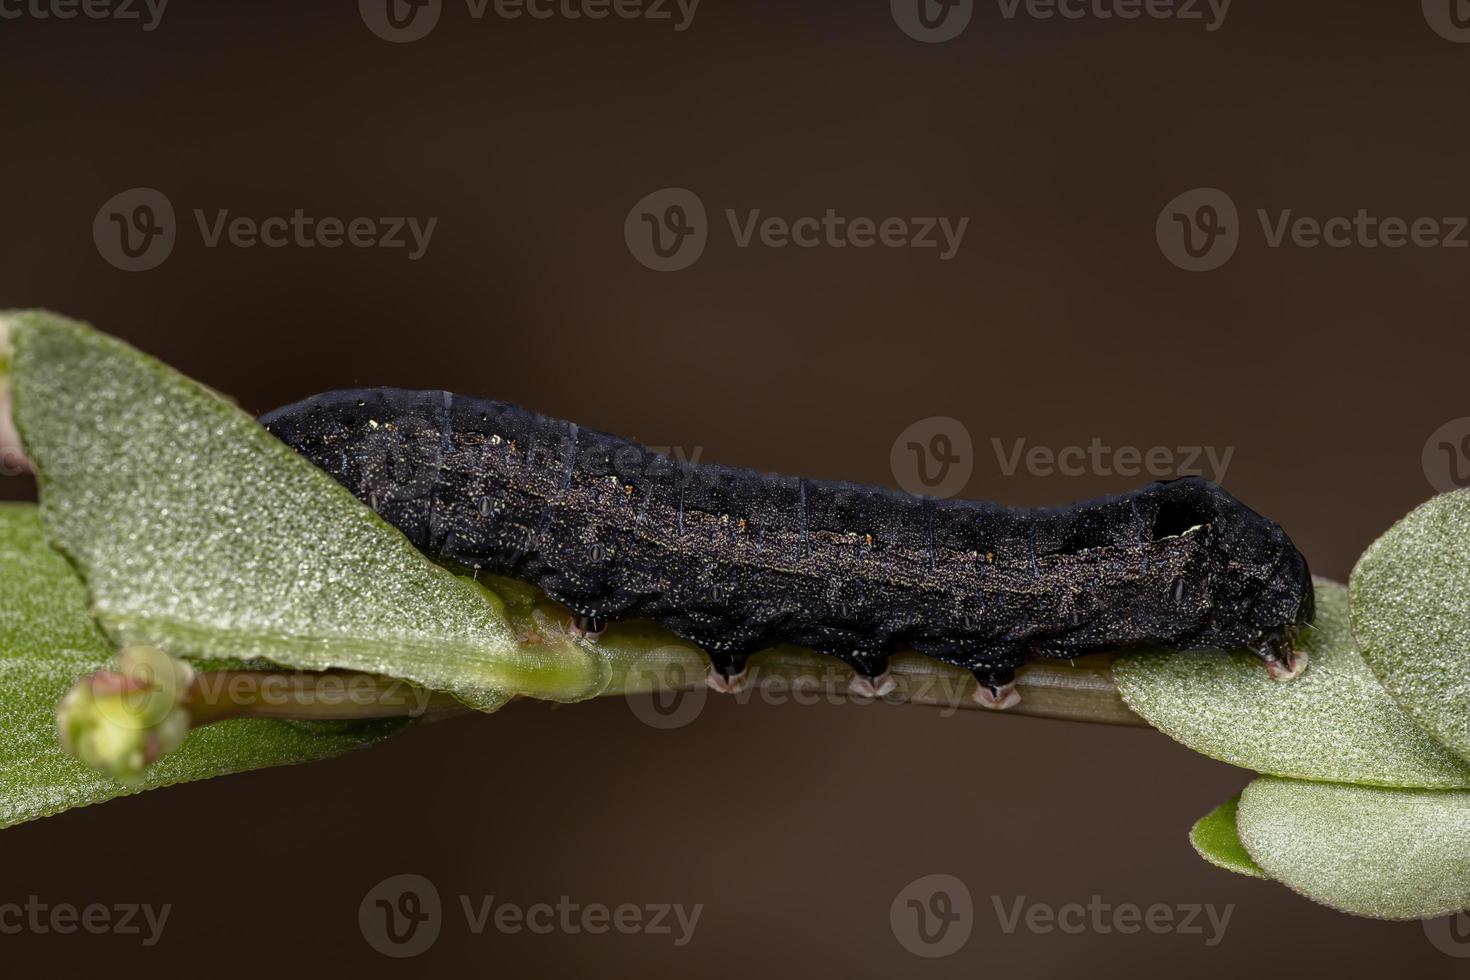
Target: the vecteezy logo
pixel 1450 934
pixel 1446 456
pixel 135 230
pixel 671 700
pixel 933 916
pixel 1450 19
pixel 400 916
pixel 932 21
pixel 1199 229
pixel 400 21
pixel 933 457
pixel 401 456
pixel 667 230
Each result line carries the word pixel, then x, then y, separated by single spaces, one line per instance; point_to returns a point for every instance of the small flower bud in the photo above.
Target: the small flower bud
pixel 122 719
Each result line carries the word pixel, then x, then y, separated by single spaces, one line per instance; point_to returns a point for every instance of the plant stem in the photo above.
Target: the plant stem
pixel 123 718
pixel 1080 691
pixel 308 696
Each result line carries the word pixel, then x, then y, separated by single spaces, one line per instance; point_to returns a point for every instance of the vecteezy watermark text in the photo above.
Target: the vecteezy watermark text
pixel 261 689
pixel 935 457
pixel 402 916
pixel 149 13
pixel 568 917
pixel 407 448
pixel 837 231
pixel 63 918
pixel 1200 230
pixel 402 21
pixel 1450 934
pixel 1450 19
pixel 1446 456
pixel 1100 459
pixel 667 693
pixel 1105 918
pixel 306 231
pixel 934 916
pixel 1210 13
pixel 936 21
pixel 136 230
pixel 668 230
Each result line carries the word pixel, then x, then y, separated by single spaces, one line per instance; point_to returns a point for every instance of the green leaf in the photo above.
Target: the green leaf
pixel 1411 615
pixel 1371 851
pixel 48 640
pixel 1216 839
pixel 199 533
pixel 1335 722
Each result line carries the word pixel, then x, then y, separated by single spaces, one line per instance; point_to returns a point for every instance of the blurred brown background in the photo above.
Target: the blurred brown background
pixel 1058 321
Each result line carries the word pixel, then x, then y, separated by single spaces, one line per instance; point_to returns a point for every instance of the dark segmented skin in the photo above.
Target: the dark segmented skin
pixel 736 560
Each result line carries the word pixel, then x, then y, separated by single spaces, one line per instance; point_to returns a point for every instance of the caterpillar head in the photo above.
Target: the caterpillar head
pixel 1260 585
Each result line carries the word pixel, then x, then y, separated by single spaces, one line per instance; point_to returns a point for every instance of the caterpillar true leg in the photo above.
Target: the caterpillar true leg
pixel 1282 662
pixel 996 687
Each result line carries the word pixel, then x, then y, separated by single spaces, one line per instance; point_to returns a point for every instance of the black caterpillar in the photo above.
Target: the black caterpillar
pixel 736 560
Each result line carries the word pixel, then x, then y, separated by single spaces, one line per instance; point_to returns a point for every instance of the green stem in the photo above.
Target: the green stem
pixel 305 696
pixel 122 719
pixel 1079 691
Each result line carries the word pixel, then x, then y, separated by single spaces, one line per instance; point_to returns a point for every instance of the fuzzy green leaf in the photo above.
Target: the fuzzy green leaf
pixel 1335 722
pixel 1216 839
pixel 199 533
pixel 1411 615
pixel 1371 851
pixel 48 640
